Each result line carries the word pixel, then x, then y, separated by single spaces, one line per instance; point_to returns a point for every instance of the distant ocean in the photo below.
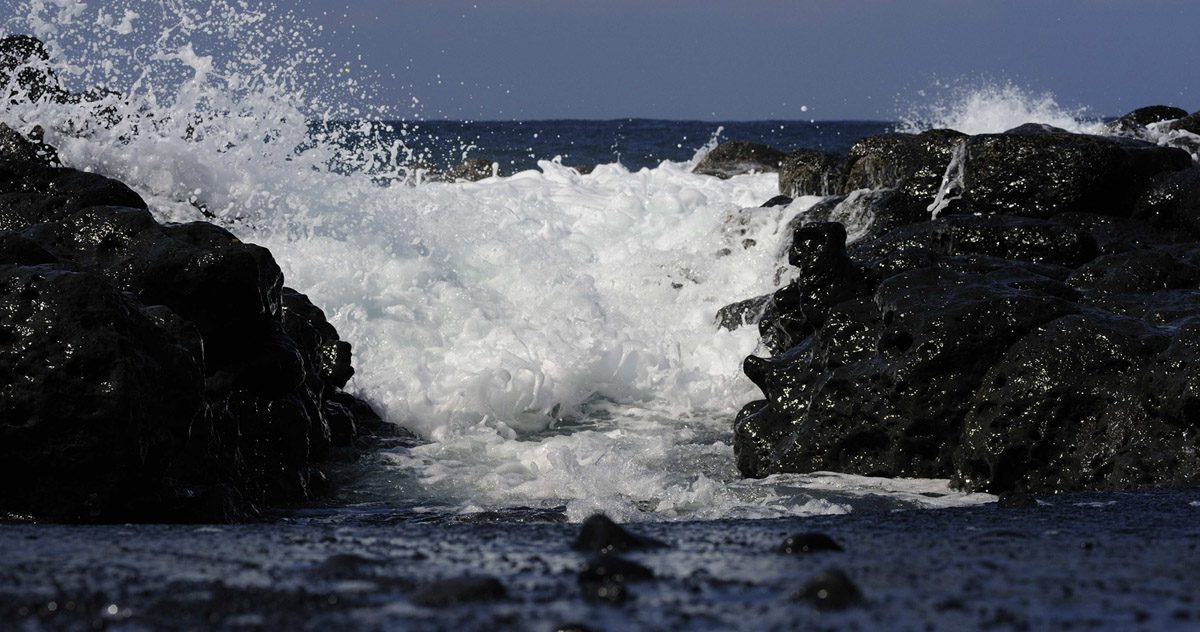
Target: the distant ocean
pixel 632 143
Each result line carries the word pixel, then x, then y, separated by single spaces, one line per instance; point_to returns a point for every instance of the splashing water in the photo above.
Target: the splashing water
pixel 550 333
pixel 990 107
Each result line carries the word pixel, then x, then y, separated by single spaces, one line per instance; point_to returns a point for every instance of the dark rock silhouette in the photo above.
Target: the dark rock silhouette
pixel 152 372
pixel 1035 335
pixel 736 157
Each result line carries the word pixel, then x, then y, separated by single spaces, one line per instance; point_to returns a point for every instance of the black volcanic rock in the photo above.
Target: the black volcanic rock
pixel 1037 335
pixel 830 589
pixel 811 172
pixel 96 396
pixel 912 162
pixel 736 157
pixel 600 534
pixel 1134 122
pixel 150 371
pixel 1040 175
pixel 827 277
pixel 1189 123
pixel 1172 201
pixel 17 148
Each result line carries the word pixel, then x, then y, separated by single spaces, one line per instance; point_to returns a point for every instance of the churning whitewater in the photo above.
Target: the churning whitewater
pixel 549 334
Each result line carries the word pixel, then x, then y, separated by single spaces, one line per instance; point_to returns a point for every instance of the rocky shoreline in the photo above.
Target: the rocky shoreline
pixel 1016 312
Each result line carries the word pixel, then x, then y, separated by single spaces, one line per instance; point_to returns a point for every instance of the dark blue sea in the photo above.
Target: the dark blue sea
pixel 632 143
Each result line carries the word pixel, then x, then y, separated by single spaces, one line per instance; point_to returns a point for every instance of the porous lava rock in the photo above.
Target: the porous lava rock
pixel 153 372
pixel 1033 329
pixel 737 157
pixel 811 172
pixel 1040 175
pixel 914 163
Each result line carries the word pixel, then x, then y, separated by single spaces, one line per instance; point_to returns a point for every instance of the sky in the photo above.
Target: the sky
pixel 764 59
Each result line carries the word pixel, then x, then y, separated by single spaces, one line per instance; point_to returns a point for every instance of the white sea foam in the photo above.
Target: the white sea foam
pixel 550 333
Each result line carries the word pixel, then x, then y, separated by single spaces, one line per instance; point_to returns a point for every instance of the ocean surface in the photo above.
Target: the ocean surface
pixel 548 333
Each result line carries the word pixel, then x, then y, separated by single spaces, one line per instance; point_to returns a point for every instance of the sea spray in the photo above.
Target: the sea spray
pixel 550 334
pixel 989 106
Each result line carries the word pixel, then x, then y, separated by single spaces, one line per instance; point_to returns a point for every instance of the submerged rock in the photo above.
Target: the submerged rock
pixel 600 534
pixel 809 543
pixel 737 157
pixel 450 592
pixel 1018 340
pixel 830 589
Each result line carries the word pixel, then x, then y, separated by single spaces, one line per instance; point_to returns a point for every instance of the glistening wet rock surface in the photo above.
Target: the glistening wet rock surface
pixel 1011 311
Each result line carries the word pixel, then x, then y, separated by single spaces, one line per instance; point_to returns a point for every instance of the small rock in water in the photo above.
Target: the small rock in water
pixel 573 627
pixel 599 533
pixel 604 592
pixel 1016 499
pixel 809 543
pixel 778 200
pixel 342 564
pixel 458 590
pixel 603 578
pixel 606 567
pixel 829 590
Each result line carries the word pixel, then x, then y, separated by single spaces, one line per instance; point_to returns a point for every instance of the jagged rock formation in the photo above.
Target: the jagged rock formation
pixel 1014 311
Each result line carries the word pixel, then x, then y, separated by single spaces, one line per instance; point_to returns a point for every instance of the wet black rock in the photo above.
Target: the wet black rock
pixel 600 534
pixel 1036 128
pixel 827 277
pixel 1189 123
pixel 17 148
pixel 809 543
pixel 604 576
pixel 736 157
pixel 830 589
pixel 778 200
pixel 811 172
pixel 1016 499
pixel 747 312
pixel 458 590
pixel 96 396
pixel 1172 201
pixel 606 567
pixel 1135 121
pixel 150 371
pixel 1040 175
pixel 1041 343
pixel 912 162
pixel 611 593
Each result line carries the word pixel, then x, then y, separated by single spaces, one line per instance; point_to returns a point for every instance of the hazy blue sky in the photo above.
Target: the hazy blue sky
pixel 759 59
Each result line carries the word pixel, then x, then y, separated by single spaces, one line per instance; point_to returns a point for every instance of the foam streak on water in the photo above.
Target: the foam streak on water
pixel 551 334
